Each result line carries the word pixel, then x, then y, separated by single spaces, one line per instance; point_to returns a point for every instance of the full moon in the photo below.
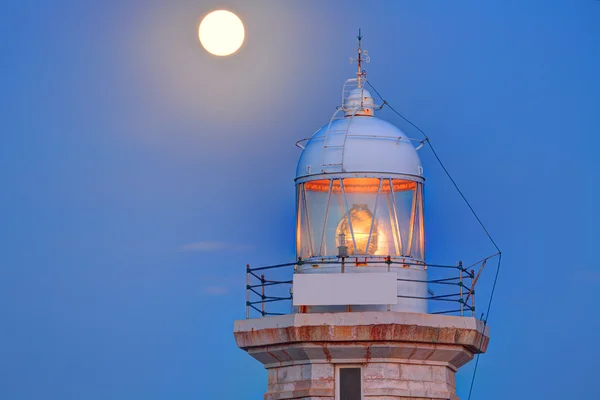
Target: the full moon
pixel 221 33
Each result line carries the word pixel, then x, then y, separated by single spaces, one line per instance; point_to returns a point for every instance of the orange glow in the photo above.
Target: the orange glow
pixel 360 185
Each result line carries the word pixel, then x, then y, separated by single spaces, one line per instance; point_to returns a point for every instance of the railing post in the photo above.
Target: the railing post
pixel 388 261
pixel 301 309
pixel 247 291
pixel 472 293
pixel 262 280
pixel 462 308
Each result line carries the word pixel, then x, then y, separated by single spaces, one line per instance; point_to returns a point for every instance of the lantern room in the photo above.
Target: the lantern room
pixel 359 189
pixel 369 216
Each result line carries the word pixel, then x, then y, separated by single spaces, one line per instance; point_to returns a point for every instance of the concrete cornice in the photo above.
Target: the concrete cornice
pixel 363 327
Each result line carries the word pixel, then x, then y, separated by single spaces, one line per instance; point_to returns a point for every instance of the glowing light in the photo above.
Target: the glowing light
pixel 221 33
pixel 361 219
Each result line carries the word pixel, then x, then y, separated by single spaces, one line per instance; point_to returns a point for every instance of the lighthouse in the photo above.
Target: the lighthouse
pixel 353 316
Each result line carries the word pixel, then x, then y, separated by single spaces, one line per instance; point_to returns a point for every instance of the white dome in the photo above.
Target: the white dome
pixel 360 144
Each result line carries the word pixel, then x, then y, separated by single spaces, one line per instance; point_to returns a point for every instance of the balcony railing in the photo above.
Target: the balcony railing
pixel 451 291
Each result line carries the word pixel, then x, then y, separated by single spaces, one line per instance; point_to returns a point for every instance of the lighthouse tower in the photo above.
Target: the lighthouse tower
pixel 360 324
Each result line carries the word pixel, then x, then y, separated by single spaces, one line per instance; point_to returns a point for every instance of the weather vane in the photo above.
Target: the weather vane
pixel 362 56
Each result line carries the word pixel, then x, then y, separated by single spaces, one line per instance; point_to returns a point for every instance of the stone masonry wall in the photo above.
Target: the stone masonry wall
pixel 381 380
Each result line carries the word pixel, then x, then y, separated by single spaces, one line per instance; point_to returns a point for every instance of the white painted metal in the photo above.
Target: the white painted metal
pixel 371 145
pixel 345 289
pixel 349 86
pixel 334 141
pixel 358 101
pixel 356 97
pixel 410 283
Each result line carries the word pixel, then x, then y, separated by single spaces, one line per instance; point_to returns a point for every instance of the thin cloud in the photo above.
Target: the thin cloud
pixel 215 246
pixel 203 246
pixel 588 276
pixel 216 290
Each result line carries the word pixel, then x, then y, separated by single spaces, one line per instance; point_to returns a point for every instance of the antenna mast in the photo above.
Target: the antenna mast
pixel 362 55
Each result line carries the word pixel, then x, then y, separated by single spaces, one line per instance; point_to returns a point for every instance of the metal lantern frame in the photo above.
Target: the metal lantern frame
pixel 403 228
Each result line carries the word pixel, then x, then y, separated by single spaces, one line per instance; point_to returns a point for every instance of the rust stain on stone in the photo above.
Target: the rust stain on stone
pixel 326 379
pixel 326 352
pixel 368 355
pixel 431 352
pixel 363 333
pixel 378 332
pixel 412 353
pixel 288 356
pixel 344 331
pixel 273 355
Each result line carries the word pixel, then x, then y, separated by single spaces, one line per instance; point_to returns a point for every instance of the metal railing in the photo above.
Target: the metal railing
pixel 252 277
pixel 454 285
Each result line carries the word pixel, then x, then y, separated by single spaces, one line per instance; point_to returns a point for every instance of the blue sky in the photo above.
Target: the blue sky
pixel 140 174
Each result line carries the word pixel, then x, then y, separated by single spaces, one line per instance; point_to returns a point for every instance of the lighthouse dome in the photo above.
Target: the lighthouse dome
pixel 359 144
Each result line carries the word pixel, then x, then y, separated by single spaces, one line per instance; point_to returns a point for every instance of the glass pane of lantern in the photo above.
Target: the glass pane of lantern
pixel 317 199
pixel 360 198
pixel 418 241
pixel 302 233
pixel 387 238
pixel 386 221
pixel 337 213
pixel 404 201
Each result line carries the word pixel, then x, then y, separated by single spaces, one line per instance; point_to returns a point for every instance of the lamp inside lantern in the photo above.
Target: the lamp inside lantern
pixel 362 227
